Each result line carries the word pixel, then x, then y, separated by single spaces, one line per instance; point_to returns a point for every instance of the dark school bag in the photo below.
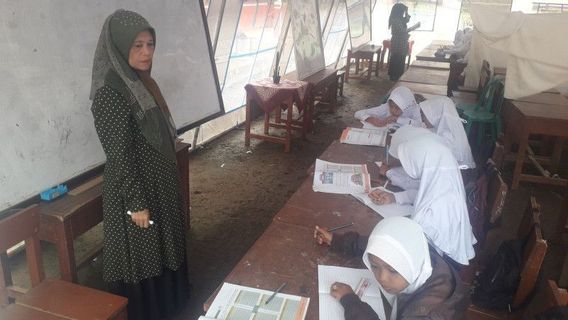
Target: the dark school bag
pixel 495 287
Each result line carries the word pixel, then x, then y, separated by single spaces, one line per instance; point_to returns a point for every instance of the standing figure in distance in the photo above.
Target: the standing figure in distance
pixel 144 255
pixel 399 41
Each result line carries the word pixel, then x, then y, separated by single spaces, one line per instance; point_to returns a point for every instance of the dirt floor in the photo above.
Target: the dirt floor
pixel 235 192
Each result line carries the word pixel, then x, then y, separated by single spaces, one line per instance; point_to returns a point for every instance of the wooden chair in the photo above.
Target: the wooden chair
pixel 498 156
pixel 47 298
pixel 548 297
pixel 533 256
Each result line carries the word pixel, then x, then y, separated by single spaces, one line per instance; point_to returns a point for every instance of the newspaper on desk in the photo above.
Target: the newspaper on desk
pixel 385 210
pixel 234 302
pixel 340 178
pixel 362 281
pixel 365 137
pixel 391 126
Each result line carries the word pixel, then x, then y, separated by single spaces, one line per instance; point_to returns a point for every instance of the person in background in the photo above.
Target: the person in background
pixel 144 257
pixel 439 202
pixel 458 59
pixel 414 281
pixel 399 40
pixel 401 108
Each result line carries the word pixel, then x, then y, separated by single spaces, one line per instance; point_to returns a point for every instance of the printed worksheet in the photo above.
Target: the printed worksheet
pixel 385 210
pixel 362 281
pixel 341 178
pixel 234 302
pixel 365 137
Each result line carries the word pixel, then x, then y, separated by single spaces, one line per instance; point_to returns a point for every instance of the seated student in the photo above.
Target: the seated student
pixel 414 281
pixel 439 202
pixel 401 108
pixel 441 117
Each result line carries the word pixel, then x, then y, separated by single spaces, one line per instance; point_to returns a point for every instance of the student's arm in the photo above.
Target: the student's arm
pixel 381 111
pixel 411 116
pixel 406 196
pixel 400 178
pixel 350 243
pixel 112 122
pixel 355 309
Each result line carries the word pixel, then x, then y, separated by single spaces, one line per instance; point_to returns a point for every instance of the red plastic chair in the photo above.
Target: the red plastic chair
pixel 387 44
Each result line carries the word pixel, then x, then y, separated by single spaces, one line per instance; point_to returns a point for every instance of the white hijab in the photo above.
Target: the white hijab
pixel 440 205
pixel 405 134
pixel 400 243
pixel 442 114
pixel 403 97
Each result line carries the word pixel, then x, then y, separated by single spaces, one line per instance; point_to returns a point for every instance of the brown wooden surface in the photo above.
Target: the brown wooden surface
pixel 435 65
pixel 426 76
pixel 18 312
pixel 523 119
pixel 545 98
pixel 66 218
pixel 73 301
pixel 427 54
pixel 287 253
pixel 546 298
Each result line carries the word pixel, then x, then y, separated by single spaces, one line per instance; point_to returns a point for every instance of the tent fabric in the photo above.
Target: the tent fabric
pixel 531 46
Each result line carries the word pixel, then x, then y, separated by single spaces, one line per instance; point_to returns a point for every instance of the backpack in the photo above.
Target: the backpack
pixel 494 288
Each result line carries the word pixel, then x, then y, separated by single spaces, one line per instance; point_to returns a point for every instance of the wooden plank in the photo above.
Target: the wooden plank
pixel 19 312
pixel 86 186
pixel 18 227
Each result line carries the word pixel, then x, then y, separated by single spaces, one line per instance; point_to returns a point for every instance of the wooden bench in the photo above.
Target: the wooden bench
pixel 548 297
pixel 51 298
pixel 65 219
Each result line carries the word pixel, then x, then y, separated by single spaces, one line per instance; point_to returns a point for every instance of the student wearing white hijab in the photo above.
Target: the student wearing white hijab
pixel 440 203
pixel 414 281
pixel 441 116
pixel 401 108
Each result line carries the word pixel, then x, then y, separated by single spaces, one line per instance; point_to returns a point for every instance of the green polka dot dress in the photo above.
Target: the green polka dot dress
pixel 136 177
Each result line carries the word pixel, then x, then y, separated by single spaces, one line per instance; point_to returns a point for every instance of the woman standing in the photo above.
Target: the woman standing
pixel 144 240
pixel 399 41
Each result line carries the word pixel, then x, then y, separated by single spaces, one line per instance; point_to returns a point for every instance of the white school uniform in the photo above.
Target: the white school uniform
pixel 404 98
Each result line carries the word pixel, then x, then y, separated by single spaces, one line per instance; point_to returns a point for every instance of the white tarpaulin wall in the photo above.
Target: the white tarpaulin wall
pixel 532 47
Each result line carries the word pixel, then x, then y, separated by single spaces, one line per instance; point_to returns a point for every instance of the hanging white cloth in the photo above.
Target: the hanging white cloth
pixel 440 205
pixel 400 242
pixel 442 114
pixel 404 98
pixel 531 46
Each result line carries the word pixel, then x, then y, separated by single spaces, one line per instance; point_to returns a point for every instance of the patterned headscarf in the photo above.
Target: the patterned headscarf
pixel 111 56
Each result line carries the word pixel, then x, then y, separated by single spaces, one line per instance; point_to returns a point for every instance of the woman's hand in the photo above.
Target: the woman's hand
pixel 391 119
pixel 338 290
pixel 141 218
pixel 381 197
pixel 323 236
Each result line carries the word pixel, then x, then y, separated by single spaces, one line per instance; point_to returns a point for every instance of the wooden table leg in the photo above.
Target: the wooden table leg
pixel 247 123
pixel 65 252
pixel 377 64
pixel 523 144
pixel 288 142
pixel 557 153
pixel 347 66
pixel 267 120
pixel 333 96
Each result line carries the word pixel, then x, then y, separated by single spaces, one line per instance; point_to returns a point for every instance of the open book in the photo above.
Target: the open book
pixel 366 137
pixel 341 178
pixel 385 210
pixel 234 302
pixel 362 281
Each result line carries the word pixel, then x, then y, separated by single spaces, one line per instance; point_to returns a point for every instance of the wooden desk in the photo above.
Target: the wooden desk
pixel 430 65
pixel 323 87
pixel 65 219
pixel 427 54
pixel 287 253
pixel 545 98
pixel 271 97
pixel 524 119
pixel 365 52
pixel 18 312
pixel 425 76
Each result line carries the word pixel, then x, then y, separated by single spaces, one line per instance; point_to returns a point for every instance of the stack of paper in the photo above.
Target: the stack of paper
pixel 366 137
pixel 329 307
pixel 341 178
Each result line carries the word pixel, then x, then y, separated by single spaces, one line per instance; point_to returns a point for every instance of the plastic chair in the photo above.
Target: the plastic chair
pixel 387 45
pixel 488 113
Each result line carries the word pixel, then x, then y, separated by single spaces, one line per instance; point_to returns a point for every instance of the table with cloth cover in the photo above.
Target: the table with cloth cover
pixel 271 97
